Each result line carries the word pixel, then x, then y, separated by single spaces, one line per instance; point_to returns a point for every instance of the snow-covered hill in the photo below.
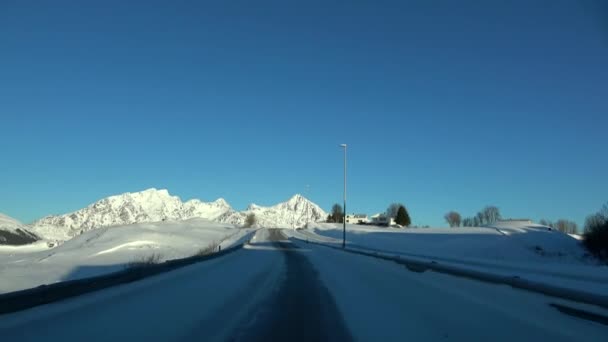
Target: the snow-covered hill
pixel 109 249
pixel 13 232
pixel 508 248
pixel 154 205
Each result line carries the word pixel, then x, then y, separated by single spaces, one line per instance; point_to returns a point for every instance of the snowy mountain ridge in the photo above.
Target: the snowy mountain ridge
pixel 294 213
pixel 154 205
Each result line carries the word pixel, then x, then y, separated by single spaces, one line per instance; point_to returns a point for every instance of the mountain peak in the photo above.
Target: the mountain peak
pixel 152 191
pixel 253 206
pixel 297 198
pixel 222 202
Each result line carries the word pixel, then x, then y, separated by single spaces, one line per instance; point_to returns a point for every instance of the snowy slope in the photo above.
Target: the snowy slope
pixel 154 205
pixel 13 232
pixel 295 212
pixel 504 242
pixel 108 249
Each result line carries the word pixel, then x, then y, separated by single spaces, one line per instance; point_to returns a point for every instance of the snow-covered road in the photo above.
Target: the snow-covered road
pixel 284 290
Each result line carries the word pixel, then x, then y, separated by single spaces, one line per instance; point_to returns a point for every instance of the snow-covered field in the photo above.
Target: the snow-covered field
pixel 511 248
pixel 109 249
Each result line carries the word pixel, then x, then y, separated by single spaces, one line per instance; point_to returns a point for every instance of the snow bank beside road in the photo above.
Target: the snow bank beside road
pixel 106 250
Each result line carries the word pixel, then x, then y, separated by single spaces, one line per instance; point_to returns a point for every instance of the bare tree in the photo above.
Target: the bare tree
pixel 467 222
pixel 476 222
pixel 573 228
pixel 480 219
pixel 250 220
pixel 597 219
pixel 393 209
pixel 490 214
pixel 453 218
pixel 566 226
pixel 594 220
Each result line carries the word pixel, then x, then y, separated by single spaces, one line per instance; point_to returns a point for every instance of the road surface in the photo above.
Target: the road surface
pixel 277 290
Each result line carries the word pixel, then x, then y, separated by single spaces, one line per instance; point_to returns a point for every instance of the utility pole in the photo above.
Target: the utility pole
pixel 344 213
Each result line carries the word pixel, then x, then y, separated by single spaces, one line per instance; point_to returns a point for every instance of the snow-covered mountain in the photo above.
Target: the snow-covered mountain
pixel 209 210
pixel 150 205
pixel 154 205
pixel 13 232
pixel 294 213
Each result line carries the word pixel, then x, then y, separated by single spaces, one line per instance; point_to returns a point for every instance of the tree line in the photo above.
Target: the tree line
pixel 563 225
pixel 487 215
pixel 491 214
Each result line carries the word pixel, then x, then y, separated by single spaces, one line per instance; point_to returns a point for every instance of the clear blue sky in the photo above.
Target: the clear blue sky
pixel 445 105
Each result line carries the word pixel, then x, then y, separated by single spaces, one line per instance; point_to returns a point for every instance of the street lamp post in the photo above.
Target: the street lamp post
pixel 344 214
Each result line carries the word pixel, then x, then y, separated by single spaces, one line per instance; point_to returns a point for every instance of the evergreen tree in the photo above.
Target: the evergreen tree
pixel 337 213
pixel 391 211
pixel 403 218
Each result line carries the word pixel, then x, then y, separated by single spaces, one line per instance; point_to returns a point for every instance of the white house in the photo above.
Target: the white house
pixel 382 220
pixel 356 218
